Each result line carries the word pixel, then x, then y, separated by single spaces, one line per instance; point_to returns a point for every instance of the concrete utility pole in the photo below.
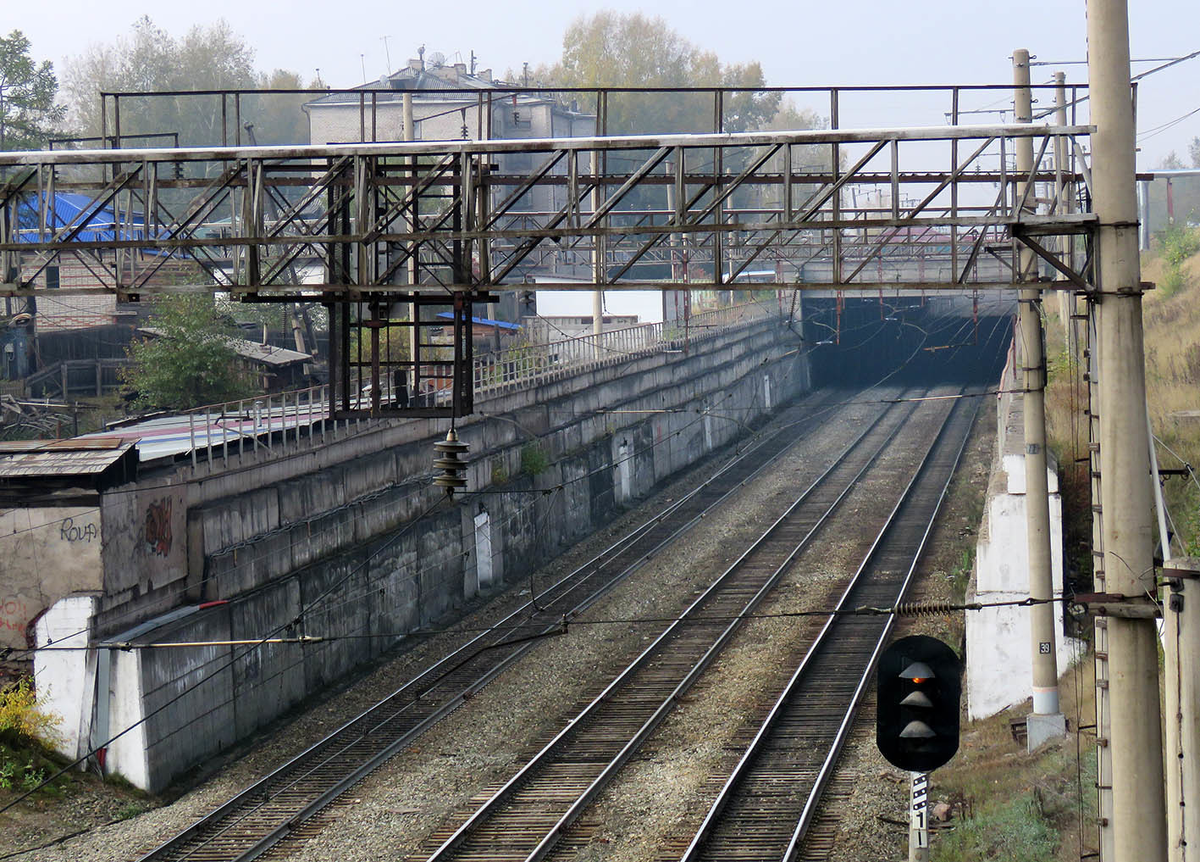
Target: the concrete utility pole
pixel 1139 816
pixel 1046 722
pixel 1181 647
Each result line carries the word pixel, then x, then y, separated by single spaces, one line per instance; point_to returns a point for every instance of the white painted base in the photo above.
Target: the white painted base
pixel 66 679
pixel 1040 729
pixel 999 656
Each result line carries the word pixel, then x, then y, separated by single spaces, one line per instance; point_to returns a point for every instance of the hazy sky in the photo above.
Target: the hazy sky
pixel 798 43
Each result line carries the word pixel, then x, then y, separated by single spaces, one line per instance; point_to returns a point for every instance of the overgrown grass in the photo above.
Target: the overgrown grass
pixel 1172 324
pixel 1171 319
pixel 1014 805
pixel 1014 830
pixel 960 577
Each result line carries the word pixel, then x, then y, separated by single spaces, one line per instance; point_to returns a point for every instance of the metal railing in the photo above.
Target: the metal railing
pixel 298 418
pixel 530 364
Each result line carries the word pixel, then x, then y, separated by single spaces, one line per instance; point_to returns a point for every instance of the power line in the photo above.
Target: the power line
pixel 906 609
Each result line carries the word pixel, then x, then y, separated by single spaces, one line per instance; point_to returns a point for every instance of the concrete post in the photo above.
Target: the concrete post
pixel 1139 816
pixel 1046 722
pixel 1181 648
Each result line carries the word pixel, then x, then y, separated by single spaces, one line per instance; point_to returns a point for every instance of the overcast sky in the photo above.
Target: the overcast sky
pixel 798 43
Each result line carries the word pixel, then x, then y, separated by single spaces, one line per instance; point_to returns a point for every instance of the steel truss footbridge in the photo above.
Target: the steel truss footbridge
pixel 390 234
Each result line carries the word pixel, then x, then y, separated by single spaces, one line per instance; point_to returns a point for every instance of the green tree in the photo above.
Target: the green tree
pixel 1194 151
pixel 278 118
pixel 211 57
pixel 611 49
pixel 28 114
pixel 190 360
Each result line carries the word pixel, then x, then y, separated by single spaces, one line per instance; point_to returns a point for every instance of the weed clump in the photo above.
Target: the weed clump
pixel 28 732
pixel 1016 831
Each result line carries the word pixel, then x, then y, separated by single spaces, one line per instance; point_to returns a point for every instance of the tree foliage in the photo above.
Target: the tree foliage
pixel 28 114
pixel 611 49
pixel 190 361
pixel 1194 151
pixel 209 57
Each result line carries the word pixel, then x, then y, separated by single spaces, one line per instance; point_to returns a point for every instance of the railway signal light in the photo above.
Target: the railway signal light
pixel 919 683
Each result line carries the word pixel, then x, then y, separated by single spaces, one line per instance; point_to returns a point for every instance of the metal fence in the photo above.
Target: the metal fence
pixel 301 418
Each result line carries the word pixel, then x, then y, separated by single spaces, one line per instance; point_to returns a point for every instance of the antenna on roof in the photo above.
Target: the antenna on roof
pixel 421 56
pixel 387 53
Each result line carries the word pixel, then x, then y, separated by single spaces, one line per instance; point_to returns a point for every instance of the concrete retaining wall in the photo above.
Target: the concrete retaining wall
pixel 324 543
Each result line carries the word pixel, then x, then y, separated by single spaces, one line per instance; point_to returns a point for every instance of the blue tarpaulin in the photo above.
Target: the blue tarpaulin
pixel 98 223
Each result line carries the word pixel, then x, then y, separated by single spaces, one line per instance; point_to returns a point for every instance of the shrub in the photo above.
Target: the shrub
pixel 23 721
pixel 533 459
pixel 1178 242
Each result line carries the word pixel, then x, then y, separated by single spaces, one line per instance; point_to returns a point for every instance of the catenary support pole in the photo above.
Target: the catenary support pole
pixel 1139 816
pixel 1046 722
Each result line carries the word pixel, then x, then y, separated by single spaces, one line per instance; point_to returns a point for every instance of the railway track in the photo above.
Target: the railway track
pixel 525 819
pixel 765 808
pixel 279 805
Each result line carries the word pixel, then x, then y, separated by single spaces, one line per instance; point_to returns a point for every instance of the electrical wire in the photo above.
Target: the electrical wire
pixel 227 665
pixel 903 609
pixel 299 619
pixel 542 492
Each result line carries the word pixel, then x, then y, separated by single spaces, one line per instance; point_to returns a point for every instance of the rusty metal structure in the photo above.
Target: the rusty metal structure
pixel 402 241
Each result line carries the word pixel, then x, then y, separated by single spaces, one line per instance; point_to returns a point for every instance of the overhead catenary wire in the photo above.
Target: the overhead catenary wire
pixel 903 609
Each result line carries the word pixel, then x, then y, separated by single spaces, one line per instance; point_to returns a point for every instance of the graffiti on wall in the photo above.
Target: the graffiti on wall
pixel 14 616
pixel 69 531
pixel 158 536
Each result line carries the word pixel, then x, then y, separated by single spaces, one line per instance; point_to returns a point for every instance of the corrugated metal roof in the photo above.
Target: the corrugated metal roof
pixel 268 354
pixel 74 457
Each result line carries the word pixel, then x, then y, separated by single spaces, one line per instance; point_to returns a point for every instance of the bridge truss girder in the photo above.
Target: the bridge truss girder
pixel 378 231
pixel 462 216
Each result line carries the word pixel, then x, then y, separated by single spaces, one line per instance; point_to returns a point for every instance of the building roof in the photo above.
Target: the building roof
pixel 252 351
pixel 63 472
pixel 482 321
pixel 73 457
pixel 425 84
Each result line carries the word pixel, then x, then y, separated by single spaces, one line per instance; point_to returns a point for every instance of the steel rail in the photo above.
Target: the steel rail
pixel 958 420
pixel 562 740
pixel 702 499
